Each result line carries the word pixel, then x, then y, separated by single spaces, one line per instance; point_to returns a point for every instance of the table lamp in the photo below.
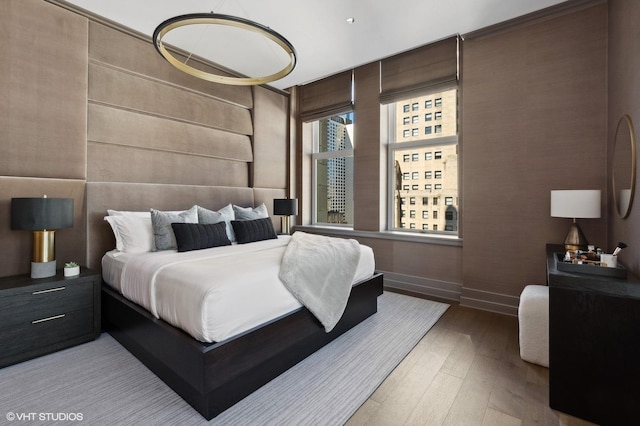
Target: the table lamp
pixel 43 216
pixel 285 207
pixel 575 204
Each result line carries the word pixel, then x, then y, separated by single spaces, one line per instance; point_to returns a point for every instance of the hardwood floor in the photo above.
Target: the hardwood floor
pixel 465 371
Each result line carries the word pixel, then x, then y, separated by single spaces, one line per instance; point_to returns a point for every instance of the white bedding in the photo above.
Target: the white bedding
pixel 212 294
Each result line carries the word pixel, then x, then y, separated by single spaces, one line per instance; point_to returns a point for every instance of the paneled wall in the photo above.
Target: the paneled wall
pixel 87 103
pixel 534 119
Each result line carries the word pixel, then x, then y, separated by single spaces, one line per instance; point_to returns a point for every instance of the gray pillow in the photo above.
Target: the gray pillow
pixel 161 223
pixel 226 214
pixel 248 213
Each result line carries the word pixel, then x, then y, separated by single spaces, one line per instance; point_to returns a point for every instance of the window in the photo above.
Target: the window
pixel 405 176
pixel 405 108
pixel 448 201
pixel 412 226
pixel 333 170
pixel 403 200
pixel 405 158
pixel 415 106
pixel 406 133
pixel 431 153
pixel 406 120
pixel 412 214
pixel 415 119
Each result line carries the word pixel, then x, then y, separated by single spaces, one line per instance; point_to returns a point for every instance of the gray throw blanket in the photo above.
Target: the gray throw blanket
pixel 319 272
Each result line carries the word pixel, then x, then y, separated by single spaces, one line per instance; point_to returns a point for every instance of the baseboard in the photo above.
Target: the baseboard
pixel 488 301
pixel 441 290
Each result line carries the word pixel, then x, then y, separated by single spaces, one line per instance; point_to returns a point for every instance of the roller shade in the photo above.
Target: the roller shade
pixel 423 68
pixel 329 96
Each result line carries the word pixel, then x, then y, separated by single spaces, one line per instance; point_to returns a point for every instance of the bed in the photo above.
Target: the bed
pixel 213 375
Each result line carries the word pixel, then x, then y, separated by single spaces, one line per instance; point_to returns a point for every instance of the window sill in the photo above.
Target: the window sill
pixel 445 240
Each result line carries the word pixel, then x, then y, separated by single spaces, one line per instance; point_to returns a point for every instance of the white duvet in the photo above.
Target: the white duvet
pixel 216 293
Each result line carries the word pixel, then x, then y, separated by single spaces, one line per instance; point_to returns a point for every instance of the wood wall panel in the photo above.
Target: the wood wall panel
pixel 113 163
pixel 122 89
pixel 145 131
pixel 138 55
pixel 17 246
pixel 534 120
pixel 43 61
pixel 369 153
pixel 270 141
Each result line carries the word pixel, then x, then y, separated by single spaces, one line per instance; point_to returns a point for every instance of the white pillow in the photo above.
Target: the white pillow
pixel 133 233
pixel 125 213
pixel 248 213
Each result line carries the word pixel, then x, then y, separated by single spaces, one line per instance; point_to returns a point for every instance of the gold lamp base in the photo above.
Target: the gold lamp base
pixel 575 239
pixel 285 225
pixel 44 263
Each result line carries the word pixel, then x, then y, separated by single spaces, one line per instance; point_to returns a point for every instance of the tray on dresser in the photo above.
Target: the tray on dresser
pixel 589 268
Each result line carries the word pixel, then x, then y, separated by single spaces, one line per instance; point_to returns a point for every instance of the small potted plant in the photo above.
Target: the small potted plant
pixel 71 269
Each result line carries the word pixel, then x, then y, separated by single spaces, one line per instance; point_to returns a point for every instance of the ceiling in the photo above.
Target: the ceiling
pixel 318 29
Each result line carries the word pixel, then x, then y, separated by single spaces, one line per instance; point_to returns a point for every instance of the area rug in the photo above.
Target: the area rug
pixel 100 383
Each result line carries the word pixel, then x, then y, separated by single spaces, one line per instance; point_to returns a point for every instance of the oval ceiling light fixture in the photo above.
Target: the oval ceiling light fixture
pixel 223 20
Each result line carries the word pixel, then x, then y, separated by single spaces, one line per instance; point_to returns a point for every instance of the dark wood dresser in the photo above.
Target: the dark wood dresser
pixel 40 316
pixel 594 345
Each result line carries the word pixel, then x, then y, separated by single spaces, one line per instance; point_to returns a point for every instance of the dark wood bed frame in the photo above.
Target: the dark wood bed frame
pixel 213 377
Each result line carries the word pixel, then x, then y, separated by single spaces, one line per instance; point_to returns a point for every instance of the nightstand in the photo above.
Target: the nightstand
pixel 44 315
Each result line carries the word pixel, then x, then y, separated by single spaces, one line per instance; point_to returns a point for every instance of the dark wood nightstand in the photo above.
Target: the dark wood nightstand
pixel 40 316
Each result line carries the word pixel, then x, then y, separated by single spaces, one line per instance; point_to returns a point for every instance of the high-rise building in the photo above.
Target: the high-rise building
pixel 426 178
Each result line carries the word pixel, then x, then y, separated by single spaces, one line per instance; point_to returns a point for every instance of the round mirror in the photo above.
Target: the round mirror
pixel 623 166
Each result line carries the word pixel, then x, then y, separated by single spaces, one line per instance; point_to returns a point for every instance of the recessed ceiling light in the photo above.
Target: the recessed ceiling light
pixel 351 20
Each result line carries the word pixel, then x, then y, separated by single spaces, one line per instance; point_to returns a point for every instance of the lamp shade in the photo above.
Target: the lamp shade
pixel 285 206
pixel 41 213
pixel 576 204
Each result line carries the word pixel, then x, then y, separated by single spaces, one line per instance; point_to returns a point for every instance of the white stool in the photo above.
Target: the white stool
pixel 533 319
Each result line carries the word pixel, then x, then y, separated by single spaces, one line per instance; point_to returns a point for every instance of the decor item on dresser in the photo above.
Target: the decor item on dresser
pixel 43 216
pixel 71 269
pixel 575 204
pixel 279 47
pixel 285 207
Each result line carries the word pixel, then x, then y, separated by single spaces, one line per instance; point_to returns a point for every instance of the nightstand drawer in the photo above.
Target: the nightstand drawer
pixel 47 335
pixel 36 305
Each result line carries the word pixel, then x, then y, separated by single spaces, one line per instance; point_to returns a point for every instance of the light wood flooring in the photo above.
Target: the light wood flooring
pixel 465 371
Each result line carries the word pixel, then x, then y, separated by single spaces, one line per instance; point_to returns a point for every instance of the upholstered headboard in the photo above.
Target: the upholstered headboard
pixel 143 196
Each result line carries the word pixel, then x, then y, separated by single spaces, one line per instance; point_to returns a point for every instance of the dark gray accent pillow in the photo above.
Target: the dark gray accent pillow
pixel 197 236
pixel 249 231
